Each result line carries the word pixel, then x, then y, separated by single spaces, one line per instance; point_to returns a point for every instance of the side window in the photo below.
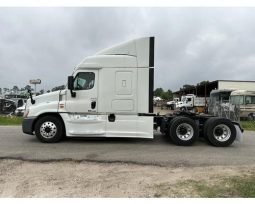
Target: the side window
pixel 84 81
pixel 250 99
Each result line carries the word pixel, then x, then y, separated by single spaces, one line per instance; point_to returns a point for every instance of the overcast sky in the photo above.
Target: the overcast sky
pixel 191 44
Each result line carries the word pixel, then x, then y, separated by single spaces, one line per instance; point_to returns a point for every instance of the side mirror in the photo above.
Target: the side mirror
pixel 31 96
pixel 70 85
pixel 70 82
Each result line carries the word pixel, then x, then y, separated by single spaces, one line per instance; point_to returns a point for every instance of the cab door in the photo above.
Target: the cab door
pixel 85 89
pixel 82 109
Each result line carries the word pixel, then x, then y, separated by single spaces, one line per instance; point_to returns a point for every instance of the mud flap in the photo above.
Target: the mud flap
pixel 239 134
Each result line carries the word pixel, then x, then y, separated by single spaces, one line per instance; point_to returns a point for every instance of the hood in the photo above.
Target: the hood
pixel 44 98
pixel 52 96
pixel 22 107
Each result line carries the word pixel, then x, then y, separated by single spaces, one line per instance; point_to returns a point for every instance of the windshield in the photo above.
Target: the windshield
pixel 237 100
pixel 220 96
pixel 224 97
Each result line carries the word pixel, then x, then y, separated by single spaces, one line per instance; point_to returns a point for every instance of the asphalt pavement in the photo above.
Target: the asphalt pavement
pixel 158 151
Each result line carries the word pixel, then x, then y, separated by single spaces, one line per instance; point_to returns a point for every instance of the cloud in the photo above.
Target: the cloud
pixel 192 44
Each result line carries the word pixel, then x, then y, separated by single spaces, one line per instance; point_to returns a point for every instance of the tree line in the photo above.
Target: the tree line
pixel 166 95
pixel 23 91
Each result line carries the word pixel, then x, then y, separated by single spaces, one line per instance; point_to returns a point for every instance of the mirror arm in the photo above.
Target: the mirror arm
pixel 73 94
pixel 30 94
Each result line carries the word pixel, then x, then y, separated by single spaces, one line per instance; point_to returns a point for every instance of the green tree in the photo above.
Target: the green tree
pixel 203 83
pixel 41 91
pixel 15 89
pixel 62 87
pixel 188 86
pixel 27 87
pixel 5 90
pixel 167 95
pixel 158 92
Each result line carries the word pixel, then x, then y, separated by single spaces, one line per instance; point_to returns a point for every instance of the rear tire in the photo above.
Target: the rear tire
pixel 49 129
pixel 183 131
pixel 219 132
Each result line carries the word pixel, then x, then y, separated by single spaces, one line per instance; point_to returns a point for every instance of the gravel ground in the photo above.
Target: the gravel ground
pixel 94 168
pixel 92 179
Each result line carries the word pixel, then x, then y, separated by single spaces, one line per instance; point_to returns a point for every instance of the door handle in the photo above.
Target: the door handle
pixel 93 104
pixel 111 117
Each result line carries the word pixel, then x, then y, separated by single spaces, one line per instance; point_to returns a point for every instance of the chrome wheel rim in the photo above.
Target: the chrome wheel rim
pixel 184 131
pixel 221 132
pixel 48 129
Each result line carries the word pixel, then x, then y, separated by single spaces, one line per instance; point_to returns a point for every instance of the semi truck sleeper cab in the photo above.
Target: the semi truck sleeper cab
pixel 110 94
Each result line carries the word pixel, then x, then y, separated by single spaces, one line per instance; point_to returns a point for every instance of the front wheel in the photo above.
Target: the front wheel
pixel 219 132
pixel 49 129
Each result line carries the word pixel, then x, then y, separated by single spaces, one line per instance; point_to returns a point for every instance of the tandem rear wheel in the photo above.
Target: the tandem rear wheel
pixel 183 131
pixel 219 132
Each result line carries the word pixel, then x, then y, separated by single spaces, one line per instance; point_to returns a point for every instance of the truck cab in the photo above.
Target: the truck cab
pixel 109 94
pixel 172 104
pixel 188 101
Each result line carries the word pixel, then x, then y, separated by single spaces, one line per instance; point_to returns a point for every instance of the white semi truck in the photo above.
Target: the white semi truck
pixel 110 94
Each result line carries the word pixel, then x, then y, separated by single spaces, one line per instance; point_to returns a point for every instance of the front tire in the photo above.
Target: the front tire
pixel 49 129
pixel 183 131
pixel 219 132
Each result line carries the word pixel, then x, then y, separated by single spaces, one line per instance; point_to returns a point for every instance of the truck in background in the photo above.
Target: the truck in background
pixel 172 104
pixel 7 106
pixel 192 102
pixel 218 100
pixel 110 94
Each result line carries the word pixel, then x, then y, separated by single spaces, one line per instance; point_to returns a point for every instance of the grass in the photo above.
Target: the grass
pixel 223 188
pixel 248 125
pixel 10 120
pixel 227 187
